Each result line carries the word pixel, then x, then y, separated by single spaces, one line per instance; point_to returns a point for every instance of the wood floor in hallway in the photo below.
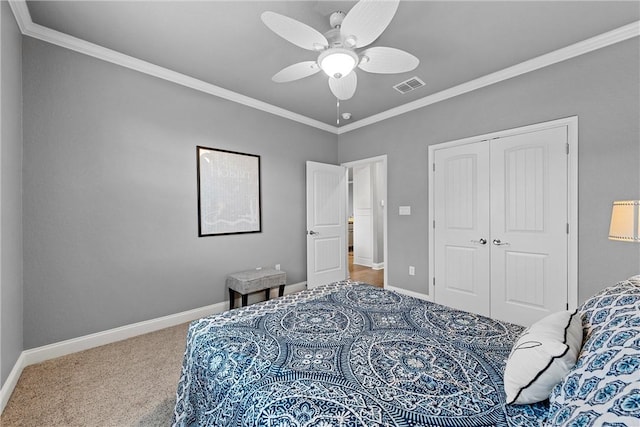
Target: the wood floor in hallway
pixel 365 274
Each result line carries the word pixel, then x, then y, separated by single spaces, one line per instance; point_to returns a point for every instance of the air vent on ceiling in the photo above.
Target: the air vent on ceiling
pixel 409 85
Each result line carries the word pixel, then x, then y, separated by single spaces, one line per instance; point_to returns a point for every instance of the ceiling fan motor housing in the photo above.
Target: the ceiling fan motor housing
pixel 334 36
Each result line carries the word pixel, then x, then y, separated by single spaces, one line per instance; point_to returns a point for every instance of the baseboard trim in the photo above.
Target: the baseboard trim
pixel 74 345
pixel 11 381
pixel 377 266
pixel 86 342
pixel 414 294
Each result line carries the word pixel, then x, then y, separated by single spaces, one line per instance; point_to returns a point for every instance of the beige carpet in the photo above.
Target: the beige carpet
pixel 128 383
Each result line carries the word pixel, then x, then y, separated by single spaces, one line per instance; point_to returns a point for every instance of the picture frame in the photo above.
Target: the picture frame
pixel 229 200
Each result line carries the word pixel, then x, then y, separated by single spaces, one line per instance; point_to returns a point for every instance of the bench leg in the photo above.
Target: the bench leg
pixel 267 293
pixel 281 290
pixel 244 300
pixel 232 299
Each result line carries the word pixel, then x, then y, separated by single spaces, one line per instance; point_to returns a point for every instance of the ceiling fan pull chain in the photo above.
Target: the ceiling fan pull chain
pixel 338 111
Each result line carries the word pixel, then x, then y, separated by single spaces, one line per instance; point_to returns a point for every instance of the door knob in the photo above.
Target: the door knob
pixel 480 242
pixel 312 232
pixel 498 242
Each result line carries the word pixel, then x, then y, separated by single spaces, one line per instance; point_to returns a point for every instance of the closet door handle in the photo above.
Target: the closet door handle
pixel 480 242
pixel 498 242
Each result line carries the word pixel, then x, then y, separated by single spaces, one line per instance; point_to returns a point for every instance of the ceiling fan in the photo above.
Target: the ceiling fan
pixel 340 47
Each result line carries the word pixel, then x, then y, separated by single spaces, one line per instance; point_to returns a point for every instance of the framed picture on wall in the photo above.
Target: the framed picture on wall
pixel 228 192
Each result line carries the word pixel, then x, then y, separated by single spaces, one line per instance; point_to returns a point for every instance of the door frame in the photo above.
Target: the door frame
pixel 385 237
pixel 571 123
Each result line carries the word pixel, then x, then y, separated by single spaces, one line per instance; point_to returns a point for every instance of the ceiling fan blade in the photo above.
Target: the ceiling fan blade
pixel 296 71
pixel 387 60
pixel 294 31
pixel 344 87
pixel 367 20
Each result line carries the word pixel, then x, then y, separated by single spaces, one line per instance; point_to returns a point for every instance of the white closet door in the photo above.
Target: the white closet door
pixel 461 204
pixel 528 225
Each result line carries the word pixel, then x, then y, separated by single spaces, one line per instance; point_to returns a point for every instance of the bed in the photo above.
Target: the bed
pixel 348 354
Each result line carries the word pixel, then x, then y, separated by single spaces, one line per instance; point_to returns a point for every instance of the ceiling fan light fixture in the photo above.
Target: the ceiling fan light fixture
pixel 337 62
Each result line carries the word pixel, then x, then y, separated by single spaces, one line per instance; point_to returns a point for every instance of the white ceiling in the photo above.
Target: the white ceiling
pixel 224 43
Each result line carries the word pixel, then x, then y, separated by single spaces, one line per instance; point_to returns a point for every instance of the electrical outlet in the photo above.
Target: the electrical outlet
pixel 412 270
pixel 277 266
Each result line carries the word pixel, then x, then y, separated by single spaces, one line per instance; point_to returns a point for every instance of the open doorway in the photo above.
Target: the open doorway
pixel 366 209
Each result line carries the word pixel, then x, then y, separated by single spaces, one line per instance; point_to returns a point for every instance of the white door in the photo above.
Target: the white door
pixel 326 224
pixel 529 225
pixel 501 215
pixel 362 216
pixel 461 203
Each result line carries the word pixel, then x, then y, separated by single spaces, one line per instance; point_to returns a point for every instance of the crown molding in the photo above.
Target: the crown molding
pixel 21 13
pixel 603 40
pixel 29 28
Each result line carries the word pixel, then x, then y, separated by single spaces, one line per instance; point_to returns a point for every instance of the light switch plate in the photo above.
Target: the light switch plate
pixel 404 210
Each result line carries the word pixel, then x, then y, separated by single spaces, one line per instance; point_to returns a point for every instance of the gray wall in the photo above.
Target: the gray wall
pixel 110 221
pixel 601 88
pixel 110 204
pixel 10 192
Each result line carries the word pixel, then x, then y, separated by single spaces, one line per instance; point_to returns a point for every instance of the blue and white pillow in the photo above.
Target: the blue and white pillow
pixel 603 389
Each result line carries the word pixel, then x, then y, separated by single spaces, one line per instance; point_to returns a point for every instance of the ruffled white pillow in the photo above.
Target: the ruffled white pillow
pixel 542 357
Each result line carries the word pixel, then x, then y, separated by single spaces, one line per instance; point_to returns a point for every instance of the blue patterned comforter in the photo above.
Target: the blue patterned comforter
pixel 348 354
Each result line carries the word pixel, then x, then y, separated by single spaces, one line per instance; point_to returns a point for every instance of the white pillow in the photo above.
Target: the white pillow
pixel 542 357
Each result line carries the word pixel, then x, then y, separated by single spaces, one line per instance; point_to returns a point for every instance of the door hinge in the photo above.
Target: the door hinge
pixel 567 306
pixel 434 282
pixel 567 228
pixel 434 223
pixel 567 149
pixel 434 167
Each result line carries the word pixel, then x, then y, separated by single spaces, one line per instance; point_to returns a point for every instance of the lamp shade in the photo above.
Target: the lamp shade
pixel 625 219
